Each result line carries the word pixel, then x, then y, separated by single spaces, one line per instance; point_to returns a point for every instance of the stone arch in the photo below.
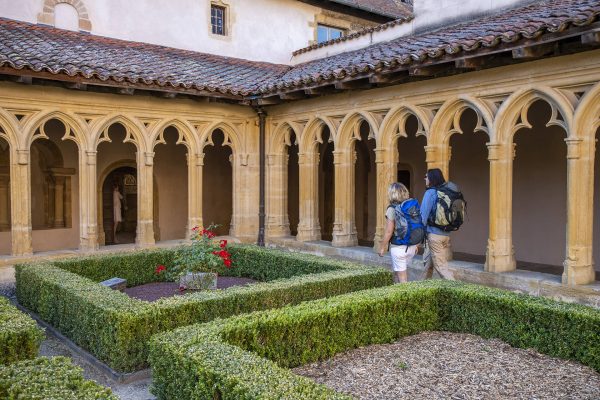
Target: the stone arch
pixel 232 137
pixel 447 120
pixel 133 128
pixel 512 114
pixel 47 14
pixel 586 119
pixel 282 137
pixel 9 128
pixel 393 125
pixel 74 129
pixel 349 129
pixel 184 128
pixel 312 134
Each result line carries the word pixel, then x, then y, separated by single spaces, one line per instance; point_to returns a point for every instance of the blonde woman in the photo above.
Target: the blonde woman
pixel 403 230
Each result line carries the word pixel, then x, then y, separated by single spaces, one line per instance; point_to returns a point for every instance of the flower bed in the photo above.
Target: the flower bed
pixel 48 378
pixel 116 328
pixel 20 337
pixel 246 356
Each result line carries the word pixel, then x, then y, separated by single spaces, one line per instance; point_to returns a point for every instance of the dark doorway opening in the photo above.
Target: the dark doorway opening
pixel 126 180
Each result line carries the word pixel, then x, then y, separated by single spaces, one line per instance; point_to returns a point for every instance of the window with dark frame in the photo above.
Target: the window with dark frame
pixel 325 33
pixel 217 20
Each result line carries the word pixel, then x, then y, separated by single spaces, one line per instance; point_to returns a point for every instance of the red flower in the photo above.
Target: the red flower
pixel 223 243
pixel 195 228
pixel 227 262
pixel 159 269
pixel 224 254
pixel 216 253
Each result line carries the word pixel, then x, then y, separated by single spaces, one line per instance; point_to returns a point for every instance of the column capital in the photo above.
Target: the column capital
pixel 91 157
pixel 308 158
pixel 500 151
pixel 149 158
pixel 23 156
pixel 573 148
pixel 381 155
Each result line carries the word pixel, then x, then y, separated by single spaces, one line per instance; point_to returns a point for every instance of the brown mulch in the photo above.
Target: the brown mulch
pixel 443 365
pixel 157 290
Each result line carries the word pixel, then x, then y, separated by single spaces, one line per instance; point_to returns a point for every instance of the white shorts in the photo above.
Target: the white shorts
pixel 402 256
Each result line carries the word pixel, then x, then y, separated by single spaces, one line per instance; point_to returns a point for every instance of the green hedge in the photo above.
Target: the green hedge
pixel 116 328
pixel 48 378
pixel 20 337
pixel 246 356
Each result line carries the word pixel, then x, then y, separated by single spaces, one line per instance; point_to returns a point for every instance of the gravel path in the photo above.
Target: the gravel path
pixel 443 365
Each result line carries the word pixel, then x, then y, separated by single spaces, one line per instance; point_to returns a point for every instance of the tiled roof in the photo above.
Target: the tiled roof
pixel 90 58
pixel 389 8
pixel 510 26
pixel 46 49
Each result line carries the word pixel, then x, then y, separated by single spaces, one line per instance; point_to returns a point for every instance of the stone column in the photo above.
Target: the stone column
pixel 59 201
pixel 195 163
pixel 277 223
pixel 88 211
pixel 20 189
pixel 386 162
pixel 308 226
pixel 500 255
pixel 579 264
pixel 344 227
pixel 145 223
pixel 438 156
pixel 4 203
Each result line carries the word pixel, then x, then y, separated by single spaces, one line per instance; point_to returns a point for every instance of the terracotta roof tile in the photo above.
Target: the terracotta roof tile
pixel 389 8
pixel 526 22
pixel 42 48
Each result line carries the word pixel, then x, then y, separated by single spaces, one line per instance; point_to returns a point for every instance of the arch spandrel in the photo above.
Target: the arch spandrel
pixel 447 120
pixel 184 129
pixel 75 128
pixel 586 119
pixel 313 134
pixel 393 125
pixel 512 114
pixel 232 137
pixel 133 128
pixel 349 129
pixel 9 128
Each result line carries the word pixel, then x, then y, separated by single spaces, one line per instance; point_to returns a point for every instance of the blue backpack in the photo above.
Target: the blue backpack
pixel 409 229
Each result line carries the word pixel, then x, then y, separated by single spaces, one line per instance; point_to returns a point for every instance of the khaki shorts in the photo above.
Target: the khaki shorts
pixel 402 256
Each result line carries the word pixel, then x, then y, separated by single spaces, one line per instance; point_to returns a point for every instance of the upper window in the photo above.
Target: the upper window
pixel 325 33
pixel 217 20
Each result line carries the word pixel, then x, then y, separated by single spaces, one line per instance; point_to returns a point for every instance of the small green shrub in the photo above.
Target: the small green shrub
pixel 245 356
pixel 49 378
pixel 20 337
pixel 116 328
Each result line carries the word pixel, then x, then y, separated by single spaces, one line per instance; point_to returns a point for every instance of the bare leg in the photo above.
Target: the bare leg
pixel 401 277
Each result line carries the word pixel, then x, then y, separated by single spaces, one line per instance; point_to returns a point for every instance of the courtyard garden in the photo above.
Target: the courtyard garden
pixel 284 325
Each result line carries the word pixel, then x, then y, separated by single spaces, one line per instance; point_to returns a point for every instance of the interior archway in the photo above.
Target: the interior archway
pixel 365 184
pixel 293 185
pixel 5 206
pixel 326 186
pixel 217 185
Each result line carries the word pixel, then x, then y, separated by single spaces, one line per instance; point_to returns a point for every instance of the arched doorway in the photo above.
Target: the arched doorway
pixel 5 221
pixel 217 185
pixel 293 185
pixel 125 179
pixel 365 189
pixel 326 186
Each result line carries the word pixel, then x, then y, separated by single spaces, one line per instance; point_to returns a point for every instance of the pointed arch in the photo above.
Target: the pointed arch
pixel 512 114
pixel 313 133
pixel 282 137
pixel 184 128
pixel 133 128
pixel 447 120
pixel 586 119
pixel 349 129
pixel 232 137
pixel 393 125
pixel 9 128
pixel 75 128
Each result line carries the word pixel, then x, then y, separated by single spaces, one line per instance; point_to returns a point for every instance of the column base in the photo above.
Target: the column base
pixel 277 231
pixel 578 274
pixel 308 234
pixel 88 244
pixel 344 240
pixel 21 241
pixel 500 262
pixel 145 234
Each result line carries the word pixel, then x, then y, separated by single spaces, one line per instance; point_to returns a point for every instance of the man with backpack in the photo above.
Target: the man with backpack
pixel 404 230
pixel 442 211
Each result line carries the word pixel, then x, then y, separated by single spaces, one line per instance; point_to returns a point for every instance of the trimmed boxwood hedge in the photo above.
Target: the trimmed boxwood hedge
pixel 246 356
pixel 49 378
pixel 116 328
pixel 20 337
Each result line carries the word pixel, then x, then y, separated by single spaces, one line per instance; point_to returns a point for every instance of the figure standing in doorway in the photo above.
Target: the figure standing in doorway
pixel 117 217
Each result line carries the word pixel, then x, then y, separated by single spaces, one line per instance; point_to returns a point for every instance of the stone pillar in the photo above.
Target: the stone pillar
pixel 438 156
pixel 344 227
pixel 145 223
pixel 4 203
pixel 308 226
pixel 277 223
pixel 59 201
pixel 88 211
pixel 386 162
pixel 195 163
pixel 20 189
pixel 500 255
pixel 579 264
